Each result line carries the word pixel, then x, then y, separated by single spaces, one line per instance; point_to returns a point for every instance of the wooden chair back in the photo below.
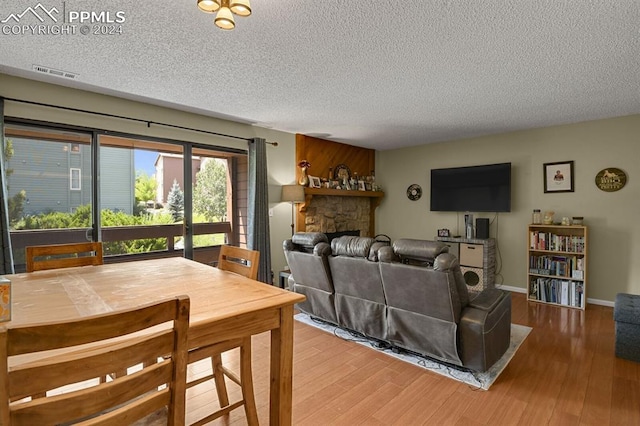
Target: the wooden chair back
pixel 160 330
pixel 63 256
pixel 239 260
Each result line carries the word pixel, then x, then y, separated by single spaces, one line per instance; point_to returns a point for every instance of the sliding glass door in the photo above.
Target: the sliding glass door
pixel 155 198
pixel 49 185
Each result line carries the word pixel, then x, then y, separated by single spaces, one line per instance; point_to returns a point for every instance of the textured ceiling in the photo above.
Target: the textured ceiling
pixel 376 73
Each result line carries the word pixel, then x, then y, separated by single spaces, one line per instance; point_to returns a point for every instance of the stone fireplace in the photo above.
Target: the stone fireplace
pixel 338 214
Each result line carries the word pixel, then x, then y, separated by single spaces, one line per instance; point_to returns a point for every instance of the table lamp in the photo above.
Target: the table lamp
pixel 292 194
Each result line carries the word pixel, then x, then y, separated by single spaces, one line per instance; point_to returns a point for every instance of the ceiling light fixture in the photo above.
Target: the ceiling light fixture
pixel 225 10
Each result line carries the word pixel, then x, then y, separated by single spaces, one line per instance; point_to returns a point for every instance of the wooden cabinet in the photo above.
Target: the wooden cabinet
pixel 557 265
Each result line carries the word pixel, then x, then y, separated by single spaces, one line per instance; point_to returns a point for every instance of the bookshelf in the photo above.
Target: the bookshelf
pixel 557 265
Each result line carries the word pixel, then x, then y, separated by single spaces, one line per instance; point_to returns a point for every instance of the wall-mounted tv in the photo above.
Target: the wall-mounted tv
pixel 485 188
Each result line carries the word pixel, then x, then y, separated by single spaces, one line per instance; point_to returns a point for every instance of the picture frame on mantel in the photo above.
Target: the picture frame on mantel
pixel 558 177
pixel 315 182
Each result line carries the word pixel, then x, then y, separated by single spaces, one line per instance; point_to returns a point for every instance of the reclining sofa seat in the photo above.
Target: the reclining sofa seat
pixel 429 311
pixel 307 254
pixel 360 300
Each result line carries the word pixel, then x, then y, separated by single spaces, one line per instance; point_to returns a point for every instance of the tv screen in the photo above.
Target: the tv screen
pixel 485 188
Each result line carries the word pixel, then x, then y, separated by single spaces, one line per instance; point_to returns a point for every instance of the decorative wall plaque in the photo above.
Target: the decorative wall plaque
pixel 414 192
pixel 611 179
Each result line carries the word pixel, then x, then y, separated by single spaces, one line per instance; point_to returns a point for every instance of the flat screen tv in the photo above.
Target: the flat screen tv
pixel 485 188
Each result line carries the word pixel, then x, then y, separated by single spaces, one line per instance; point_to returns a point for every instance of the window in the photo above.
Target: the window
pixel 145 195
pixel 45 207
pixel 74 179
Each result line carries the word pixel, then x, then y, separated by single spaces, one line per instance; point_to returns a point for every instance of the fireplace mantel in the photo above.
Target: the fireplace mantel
pixel 376 196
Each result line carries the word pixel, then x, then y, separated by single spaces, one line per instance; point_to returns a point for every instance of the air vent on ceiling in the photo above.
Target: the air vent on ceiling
pixel 51 71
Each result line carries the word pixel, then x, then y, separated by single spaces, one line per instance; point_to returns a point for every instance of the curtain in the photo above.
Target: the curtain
pixel 258 208
pixel 6 263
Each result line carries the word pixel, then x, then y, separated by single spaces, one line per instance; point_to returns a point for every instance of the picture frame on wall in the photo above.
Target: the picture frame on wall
pixel 314 182
pixel 558 177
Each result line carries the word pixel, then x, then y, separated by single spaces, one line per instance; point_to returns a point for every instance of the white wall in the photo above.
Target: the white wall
pixel 280 159
pixel 612 218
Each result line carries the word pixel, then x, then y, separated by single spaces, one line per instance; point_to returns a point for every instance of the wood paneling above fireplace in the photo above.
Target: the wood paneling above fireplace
pixel 331 210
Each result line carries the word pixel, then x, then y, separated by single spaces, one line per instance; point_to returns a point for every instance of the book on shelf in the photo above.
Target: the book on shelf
pixel 564 292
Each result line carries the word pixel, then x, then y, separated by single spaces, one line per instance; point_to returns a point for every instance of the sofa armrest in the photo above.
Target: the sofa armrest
pixel 485 334
pixel 487 300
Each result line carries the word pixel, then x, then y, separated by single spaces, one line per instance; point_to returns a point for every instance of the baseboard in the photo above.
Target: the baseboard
pixel 524 290
pixel 511 288
pixel 600 302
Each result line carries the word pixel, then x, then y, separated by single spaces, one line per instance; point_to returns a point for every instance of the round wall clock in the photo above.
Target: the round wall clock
pixel 611 179
pixel 414 192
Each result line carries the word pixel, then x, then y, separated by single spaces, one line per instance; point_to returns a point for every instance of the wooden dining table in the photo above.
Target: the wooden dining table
pixel 224 306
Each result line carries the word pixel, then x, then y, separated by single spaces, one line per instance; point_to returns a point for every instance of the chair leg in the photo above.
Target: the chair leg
pixel 247 382
pixel 218 377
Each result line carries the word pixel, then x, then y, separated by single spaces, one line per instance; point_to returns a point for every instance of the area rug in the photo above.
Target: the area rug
pixel 475 379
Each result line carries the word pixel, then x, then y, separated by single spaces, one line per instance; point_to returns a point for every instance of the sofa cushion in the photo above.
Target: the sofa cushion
pixel 419 250
pixel 448 262
pixel 351 246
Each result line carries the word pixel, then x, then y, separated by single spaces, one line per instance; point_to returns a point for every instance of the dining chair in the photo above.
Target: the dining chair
pixel 244 262
pixel 94 346
pixel 63 256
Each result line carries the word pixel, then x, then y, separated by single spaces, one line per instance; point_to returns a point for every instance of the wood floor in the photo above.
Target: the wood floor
pixel 565 373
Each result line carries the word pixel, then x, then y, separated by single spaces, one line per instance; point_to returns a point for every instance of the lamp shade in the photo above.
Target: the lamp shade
pixel 224 19
pixel 292 193
pixel 240 7
pixel 209 6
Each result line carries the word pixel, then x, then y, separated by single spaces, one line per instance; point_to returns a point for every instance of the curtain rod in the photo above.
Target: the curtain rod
pixel 139 120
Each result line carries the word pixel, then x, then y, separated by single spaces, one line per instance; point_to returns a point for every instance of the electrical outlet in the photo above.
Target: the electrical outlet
pixel 270 212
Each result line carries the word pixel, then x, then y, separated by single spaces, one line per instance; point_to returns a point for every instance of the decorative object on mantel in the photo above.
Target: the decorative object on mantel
pixel 304 166
pixel 414 192
pixel 611 179
pixel 226 9
pixel 314 182
pixel 342 172
pixel 558 177
pixel 292 194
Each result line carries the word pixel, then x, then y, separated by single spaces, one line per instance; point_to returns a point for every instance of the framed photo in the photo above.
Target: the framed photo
pixel 558 177
pixel 443 232
pixel 314 182
pixel 362 186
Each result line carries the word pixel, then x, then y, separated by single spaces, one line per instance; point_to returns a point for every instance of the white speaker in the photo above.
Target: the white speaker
pixel 473 277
